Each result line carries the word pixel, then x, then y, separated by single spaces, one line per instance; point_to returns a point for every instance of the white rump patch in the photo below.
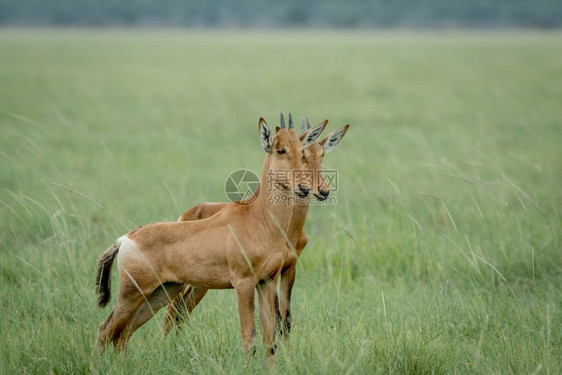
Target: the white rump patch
pixel 127 248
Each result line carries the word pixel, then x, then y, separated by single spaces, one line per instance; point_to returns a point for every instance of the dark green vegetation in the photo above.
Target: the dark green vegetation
pixel 294 13
pixel 442 255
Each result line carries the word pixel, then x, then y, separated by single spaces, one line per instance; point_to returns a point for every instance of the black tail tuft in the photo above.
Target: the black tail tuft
pixel 103 275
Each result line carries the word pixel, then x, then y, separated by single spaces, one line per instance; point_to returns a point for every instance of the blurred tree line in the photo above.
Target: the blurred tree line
pixel 292 13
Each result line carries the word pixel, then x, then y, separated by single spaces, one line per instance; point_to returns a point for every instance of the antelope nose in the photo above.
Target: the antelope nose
pixel 324 193
pixel 304 190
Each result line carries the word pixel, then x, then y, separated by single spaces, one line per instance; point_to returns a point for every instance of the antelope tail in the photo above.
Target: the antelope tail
pixel 103 275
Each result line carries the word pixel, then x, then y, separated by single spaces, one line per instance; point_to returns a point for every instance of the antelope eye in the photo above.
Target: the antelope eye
pixel 282 151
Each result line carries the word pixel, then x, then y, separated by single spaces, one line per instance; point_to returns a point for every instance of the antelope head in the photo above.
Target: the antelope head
pixel 314 155
pixel 286 152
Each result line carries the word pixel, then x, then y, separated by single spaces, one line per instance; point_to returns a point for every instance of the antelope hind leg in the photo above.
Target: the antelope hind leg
pixel 112 328
pixel 182 306
pixel 162 296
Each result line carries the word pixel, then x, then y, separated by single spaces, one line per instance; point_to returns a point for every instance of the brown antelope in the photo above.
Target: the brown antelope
pixel 241 247
pixel 186 301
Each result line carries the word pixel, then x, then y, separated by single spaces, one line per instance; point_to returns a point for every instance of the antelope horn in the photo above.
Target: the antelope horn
pixel 308 123
pixel 290 121
pixel 303 126
pixel 282 121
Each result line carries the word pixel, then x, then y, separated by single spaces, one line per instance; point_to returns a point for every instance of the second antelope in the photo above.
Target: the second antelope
pixel 241 247
pixel 185 302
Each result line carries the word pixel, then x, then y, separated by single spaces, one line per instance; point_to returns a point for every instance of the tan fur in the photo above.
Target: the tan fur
pixel 202 211
pixel 184 303
pixel 242 247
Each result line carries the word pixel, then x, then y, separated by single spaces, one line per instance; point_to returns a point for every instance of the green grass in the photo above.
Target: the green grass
pixel 442 254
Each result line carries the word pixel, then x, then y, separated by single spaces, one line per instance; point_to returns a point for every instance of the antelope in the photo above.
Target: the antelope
pixel 190 297
pixel 241 247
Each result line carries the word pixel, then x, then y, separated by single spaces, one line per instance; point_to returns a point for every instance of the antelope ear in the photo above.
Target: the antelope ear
pixel 266 136
pixel 313 134
pixel 334 138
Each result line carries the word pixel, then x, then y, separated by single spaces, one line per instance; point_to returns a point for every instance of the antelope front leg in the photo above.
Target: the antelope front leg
pixel 245 290
pixel 284 304
pixel 266 295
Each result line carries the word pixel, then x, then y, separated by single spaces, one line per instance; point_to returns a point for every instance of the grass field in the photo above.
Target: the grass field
pixel 442 255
